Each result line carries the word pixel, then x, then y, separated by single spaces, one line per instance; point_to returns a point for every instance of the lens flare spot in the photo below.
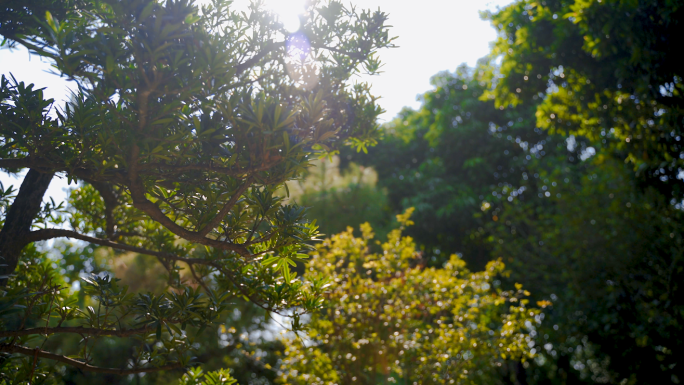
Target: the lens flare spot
pixel 301 65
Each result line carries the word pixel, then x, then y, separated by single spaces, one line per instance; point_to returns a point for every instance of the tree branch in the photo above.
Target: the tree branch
pixel 82 365
pixel 111 202
pixel 206 167
pixel 242 67
pixel 76 330
pixel 41 235
pixel 226 208
pixel 271 46
pixel 16 163
pixel 353 55
pixel 45 234
pixel 198 279
pixel 53 166
pixel 18 220
pixel 143 204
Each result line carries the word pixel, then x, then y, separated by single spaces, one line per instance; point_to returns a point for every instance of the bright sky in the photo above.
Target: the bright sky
pixel 433 36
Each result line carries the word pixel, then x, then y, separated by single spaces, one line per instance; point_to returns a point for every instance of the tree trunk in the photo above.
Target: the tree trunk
pixel 520 374
pixel 18 220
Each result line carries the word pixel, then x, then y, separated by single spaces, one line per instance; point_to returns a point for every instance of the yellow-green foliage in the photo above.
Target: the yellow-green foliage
pixel 337 198
pixel 388 318
pixel 196 376
pixel 597 69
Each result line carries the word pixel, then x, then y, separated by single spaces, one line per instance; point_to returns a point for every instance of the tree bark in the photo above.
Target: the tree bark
pixel 18 220
pixel 520 374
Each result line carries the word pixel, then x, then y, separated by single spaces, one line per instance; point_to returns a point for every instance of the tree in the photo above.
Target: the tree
pixel 186 120
pixel 609 255
pixel 468 155
pixel 606 70
pixel 569 220
pixel 338 198
pixel 388 318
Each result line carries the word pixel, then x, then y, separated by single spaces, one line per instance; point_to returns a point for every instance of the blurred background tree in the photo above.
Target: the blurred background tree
pixel 492 174
pixel 389 318
pixel 337 198
pixel 455 157
pixel 605 70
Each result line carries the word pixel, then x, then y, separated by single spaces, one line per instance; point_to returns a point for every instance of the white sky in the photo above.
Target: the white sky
pixel 433 36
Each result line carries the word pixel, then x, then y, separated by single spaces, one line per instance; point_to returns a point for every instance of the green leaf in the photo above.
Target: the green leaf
pixel 51 21
pixel 286 273
pixel 192 19
pixel 147 11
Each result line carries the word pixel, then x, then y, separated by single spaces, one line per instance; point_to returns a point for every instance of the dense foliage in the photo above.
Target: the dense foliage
pixel 186 121
pixel 604 69
pixel 20 17
pixel 390 319
pixel 610 256
pixel 562 160
pixel 508 173
pixel 569 218
pixel 466 154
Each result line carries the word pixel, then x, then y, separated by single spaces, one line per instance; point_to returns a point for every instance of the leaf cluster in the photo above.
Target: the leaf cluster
pixel 605 70
pixel 186 119
pixel 388 317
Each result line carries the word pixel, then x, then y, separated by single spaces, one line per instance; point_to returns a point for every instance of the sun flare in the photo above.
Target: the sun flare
pixel 288 12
